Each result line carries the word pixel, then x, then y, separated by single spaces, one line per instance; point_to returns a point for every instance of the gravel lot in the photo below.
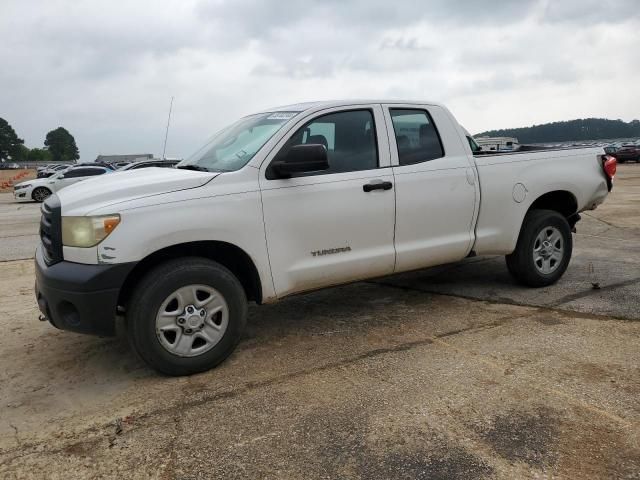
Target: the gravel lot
pixel 452 372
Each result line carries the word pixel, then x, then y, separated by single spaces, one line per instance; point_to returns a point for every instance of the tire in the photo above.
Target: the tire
pixel 40 194
pixel 157 336
pixel 535 263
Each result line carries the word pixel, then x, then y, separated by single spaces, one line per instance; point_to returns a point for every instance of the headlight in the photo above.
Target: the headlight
pixel 87 231
pixel 18 187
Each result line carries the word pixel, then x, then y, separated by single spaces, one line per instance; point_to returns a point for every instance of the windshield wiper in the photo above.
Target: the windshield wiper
pixel 194 167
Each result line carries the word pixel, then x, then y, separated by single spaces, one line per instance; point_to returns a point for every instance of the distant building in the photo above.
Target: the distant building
pixel 496 144
pixel 133 157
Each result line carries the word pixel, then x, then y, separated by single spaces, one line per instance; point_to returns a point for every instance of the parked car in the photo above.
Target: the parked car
pixel 626 153
pixel 150 163
pixel 50 171
pixel 96 164
pixel 40 189
pixel 9 166
pixel 295 199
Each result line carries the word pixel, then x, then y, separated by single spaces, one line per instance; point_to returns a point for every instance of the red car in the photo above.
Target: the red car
pixel 625 153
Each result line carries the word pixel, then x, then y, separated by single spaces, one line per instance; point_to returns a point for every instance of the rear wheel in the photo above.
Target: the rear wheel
pixel 186 316
pixel 543 250
pixel 40 194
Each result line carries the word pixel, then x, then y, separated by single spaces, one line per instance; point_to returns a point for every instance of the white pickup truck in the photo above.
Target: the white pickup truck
pixel 295 199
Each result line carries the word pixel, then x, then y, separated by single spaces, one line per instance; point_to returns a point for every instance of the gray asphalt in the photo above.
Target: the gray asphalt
pixel 18 228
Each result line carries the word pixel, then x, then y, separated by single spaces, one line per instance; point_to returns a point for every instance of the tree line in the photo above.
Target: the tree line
pixel 59 146
pixel 580 129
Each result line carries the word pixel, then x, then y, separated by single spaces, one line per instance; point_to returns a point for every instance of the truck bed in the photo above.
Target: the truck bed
pixel 528 149
pixel 511 181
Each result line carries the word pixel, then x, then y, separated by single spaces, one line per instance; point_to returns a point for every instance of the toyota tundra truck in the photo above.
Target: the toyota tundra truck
pixel 295 199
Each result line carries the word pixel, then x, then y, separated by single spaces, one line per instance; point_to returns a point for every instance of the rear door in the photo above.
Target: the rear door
pixel 335 226
pixel 436 187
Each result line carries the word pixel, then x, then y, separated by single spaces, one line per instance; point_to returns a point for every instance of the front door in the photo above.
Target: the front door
pixel 335 226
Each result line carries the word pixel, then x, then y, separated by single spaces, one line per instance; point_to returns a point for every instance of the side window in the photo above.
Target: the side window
pixel 89 172
pixel 75 173
pixel 416 136
pixel 350 139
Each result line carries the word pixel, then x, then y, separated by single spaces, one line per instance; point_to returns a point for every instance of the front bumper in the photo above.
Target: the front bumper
pixel 21 194
pixel 80 297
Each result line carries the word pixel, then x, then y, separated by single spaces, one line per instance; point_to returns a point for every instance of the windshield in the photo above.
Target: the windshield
pixel 127 167
pixel 233 147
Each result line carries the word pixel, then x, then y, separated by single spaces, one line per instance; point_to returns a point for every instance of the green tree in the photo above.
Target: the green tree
pixel 61 145
pixel 9 142
pixel 23 154
pixel 580 129
pixel 39 155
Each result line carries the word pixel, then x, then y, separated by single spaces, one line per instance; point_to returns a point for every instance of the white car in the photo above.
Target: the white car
pixel 148 164
pixel 50 171
pixel 295 199
pixel 39 189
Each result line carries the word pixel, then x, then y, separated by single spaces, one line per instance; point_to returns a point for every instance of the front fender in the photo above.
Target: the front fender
pixel 233 218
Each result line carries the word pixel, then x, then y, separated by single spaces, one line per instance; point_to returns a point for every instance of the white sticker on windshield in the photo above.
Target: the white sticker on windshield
pixel 282 115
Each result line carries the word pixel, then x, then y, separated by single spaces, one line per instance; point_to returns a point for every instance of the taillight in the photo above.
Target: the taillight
pixel 609 164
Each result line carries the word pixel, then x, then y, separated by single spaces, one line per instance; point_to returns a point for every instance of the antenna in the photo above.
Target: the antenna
pixel 164 148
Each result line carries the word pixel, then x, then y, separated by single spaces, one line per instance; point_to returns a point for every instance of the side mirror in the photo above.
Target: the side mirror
pixel 302 159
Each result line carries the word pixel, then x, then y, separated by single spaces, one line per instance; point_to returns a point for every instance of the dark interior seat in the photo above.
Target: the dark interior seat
pixel 402 141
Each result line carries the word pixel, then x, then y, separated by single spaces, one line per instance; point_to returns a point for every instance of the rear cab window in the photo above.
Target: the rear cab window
pixel 475 148
pixel 417 138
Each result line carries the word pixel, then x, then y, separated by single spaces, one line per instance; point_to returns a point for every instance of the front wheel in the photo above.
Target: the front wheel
pixel 543 250
pixel 186 316
pixel 40 194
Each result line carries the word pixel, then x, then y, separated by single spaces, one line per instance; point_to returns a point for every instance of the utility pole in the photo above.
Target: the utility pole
pixel 164 149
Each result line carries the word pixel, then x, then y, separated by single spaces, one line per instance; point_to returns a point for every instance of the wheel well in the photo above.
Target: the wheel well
pixel 231 256
pixel 41 187
pixel 561 201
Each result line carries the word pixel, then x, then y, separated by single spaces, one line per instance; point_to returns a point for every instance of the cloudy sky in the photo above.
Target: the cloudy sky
pixel 106 70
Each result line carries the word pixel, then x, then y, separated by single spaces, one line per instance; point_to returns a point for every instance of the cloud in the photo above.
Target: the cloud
pixel 106 71
pixel 589 11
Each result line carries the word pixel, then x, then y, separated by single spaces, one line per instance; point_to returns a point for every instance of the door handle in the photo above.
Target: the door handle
pixel 368 187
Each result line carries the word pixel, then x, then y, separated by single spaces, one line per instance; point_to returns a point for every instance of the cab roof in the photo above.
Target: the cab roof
pixel 305 106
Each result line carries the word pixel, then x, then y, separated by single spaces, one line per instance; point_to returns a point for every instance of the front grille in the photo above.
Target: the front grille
pixel 51 230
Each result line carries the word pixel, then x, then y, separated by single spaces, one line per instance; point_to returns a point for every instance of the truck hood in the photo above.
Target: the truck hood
pixel 118 187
